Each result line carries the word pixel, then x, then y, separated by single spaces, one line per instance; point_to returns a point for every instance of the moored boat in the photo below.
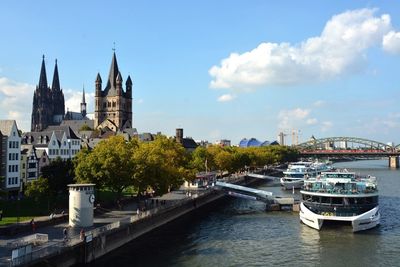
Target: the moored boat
pixel 297 172
pixel 340 196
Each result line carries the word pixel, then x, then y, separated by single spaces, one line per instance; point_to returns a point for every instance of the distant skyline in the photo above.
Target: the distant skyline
pixel 217 69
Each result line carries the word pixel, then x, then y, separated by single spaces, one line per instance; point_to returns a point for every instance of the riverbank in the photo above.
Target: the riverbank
pixel 112 229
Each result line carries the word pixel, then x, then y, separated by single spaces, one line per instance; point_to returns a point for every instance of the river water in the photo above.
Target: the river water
pixel 238 232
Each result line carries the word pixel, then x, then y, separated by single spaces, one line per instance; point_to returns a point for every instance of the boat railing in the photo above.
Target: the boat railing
pixel 340 191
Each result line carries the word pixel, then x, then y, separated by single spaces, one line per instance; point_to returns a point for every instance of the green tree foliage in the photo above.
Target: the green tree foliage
pixel 116 164
pixel 59 174
pixel 85 127
pixel 233 159
pixel 38 189
pixel 109 165
pixel 161 165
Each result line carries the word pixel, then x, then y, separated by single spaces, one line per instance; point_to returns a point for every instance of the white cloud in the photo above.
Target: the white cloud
pixel 289 119
pixel 326 125
pixel 311 121
pixel 73 101
pixel 16 102
pixel 226 98
pixel 339 50
pixel 391 42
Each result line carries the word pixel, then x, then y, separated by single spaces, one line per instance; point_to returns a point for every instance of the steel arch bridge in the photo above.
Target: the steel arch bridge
pixel 330 141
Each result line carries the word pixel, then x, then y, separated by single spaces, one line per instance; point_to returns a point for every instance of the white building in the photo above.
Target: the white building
pixel 10 155
pixel 57 141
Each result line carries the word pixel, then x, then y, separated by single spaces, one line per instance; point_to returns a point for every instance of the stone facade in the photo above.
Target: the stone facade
pixel 48 106
pixel 113 105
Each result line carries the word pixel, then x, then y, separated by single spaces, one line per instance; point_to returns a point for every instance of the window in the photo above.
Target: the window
pixel 9 168
pixel 23 165
pixel 31 165
pixel 54 142
pixel 10 144
pixel 16 168
pixel 9 156
pixel 16 156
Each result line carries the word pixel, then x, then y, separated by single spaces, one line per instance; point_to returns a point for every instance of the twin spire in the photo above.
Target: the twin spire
pixel 43 77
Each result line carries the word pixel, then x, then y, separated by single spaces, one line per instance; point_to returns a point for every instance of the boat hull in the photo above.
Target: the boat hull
pixel 289 185
pixel 364 221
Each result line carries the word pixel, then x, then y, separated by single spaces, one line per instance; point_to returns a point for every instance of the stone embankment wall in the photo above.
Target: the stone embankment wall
pixel 109 240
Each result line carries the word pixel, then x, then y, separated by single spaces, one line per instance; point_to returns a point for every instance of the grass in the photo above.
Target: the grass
pixel 12 220
pixel 28 208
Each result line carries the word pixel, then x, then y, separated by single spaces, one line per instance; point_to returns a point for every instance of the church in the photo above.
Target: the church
pixel 113 105
pixel 48 106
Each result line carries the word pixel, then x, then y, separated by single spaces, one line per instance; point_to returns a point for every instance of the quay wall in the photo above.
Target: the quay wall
pixel 109 240
pixel 119 233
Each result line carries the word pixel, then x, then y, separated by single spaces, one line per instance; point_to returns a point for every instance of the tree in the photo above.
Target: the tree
pixel 161 164
pixel 59 174
pixel 85 127
pixel 108 165
pixel 38 189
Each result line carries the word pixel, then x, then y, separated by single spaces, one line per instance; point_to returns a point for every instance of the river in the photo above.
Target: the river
pixel 238 232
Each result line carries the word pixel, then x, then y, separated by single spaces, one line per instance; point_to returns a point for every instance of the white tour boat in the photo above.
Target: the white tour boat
pixel 297 172
pixel 340 196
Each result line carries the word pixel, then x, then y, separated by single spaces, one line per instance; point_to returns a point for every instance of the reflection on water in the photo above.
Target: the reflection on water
pixel 238 232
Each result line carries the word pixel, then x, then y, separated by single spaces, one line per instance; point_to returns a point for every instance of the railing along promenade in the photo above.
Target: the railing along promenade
pixel 57 247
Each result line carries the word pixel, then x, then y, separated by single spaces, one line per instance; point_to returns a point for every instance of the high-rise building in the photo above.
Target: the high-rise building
pixel 113 105
pixel 48 106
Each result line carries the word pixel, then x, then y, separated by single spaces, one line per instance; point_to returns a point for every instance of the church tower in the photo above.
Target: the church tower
pixel 48 104
pixel 83 104
pixel 113 105
pixel 57 97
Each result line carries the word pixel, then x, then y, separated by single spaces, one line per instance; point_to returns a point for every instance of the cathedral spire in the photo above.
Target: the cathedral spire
pixel 43 78
pixel 56 79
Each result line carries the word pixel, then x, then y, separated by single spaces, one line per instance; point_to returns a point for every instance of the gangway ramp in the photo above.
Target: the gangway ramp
pixel 273 202
pixel 243 189
pixel 260 176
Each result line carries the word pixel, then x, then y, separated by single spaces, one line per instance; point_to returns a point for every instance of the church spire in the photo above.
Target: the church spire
pixel 56 79
pixel 83 104
pixel 43 78
pixel 112 76
pixel 83 95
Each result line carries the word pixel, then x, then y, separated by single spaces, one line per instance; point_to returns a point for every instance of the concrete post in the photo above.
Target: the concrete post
pixel 394 162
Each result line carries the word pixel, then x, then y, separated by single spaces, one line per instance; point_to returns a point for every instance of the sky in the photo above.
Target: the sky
pixel 218 69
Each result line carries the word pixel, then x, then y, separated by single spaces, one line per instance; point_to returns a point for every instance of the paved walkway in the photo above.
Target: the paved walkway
pixel 55 232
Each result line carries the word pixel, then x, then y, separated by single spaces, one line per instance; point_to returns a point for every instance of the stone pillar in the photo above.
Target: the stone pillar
pixel 394 161
pixel 81 199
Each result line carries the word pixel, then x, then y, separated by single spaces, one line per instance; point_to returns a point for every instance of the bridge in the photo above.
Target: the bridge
pixel 340 147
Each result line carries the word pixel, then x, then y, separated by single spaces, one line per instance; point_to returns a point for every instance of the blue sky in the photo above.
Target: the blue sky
pixel 218 69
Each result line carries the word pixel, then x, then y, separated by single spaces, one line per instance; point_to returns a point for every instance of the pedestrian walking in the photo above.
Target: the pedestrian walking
pixel 82 234
pixel 65 233
pixel 33 225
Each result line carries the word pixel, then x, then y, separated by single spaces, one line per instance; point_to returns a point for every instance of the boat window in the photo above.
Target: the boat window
pixel 315 199
pixel 337 200
pixel 325 200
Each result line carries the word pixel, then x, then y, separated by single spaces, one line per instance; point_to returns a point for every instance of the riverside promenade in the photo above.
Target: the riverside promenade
pixel 111 229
